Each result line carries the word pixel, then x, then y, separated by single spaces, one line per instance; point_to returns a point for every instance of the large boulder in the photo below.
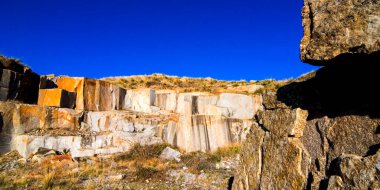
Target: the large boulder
pixel 333 28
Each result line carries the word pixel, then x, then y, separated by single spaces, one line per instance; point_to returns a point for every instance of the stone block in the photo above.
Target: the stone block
pixel 93 95
pixel 30 117
pixel 46 82
pixel 9 79
pixel 166 99
pixel 29 86
pixel 56 98
pixel 140 100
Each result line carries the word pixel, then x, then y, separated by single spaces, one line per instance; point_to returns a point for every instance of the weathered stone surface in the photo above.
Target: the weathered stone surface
pixel 46 82
pixel 14 86
pixel 284 122
pixel 122 121
pixel 283 161
pixel 238 105
pixel 140 100
pixel 333 28
pixel 28 91
pixel 27 118
pixel 166 99
pixel 11 64
pixel 251 160
pixel 357 172
pixel 56 98
pixel 171 154
pixel 230 105
pixel 205 133
pixel 6 126
pixel 301 148
pixel 9 79
pixel 17 82
pixel 80 146
pixel 93 95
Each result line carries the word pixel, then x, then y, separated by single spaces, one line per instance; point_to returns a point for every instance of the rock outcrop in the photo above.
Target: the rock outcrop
pixel 91 117
pixel 17 82
pixel 322 130
pixel 339 28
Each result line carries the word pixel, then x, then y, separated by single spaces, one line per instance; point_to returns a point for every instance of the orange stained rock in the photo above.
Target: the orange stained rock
pixel 56 98
pixel 74 85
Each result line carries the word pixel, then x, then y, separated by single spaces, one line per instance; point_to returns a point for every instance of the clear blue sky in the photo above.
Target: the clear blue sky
pixel 233 40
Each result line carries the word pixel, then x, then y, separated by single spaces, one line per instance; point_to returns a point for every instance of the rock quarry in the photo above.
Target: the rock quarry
pixel 92 117
pixel 320 131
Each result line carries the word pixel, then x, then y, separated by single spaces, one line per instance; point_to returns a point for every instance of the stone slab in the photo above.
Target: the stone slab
pixel 56 98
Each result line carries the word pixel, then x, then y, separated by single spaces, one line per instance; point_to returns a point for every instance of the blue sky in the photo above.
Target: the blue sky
pixel 232 40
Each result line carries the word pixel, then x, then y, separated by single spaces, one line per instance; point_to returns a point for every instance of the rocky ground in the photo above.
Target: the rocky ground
pixel 141 168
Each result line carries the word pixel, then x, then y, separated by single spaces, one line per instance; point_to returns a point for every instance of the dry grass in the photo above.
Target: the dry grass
pixel 140 164
pixel 139 152
pixel 186 84
pixel 48 180
pixel 182 84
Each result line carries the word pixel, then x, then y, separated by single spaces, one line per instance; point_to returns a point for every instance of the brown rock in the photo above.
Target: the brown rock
pixel 357 172
pixel 93 95
pixel 251 160
pixel 46 82
pixel 18 82
pixel 284 122
pixel 333 28
pixel 56 98
pixel 27 118
pixel 11 64
pixel 282 162
pixel 29 86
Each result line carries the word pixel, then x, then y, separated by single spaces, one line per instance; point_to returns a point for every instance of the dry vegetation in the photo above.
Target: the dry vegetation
pixel 140 168
pixel 186 84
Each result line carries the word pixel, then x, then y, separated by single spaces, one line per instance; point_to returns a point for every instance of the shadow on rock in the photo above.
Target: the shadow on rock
pixel 348 86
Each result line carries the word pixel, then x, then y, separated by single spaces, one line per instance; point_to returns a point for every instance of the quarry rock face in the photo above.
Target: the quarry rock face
pixel 93 95
pixel 205 132
pixel 56 98
pixel 196 121
pixel 333 28
pixel 18 82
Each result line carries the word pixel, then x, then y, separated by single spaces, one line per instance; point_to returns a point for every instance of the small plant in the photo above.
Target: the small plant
pixel 139 152
pixel 66 151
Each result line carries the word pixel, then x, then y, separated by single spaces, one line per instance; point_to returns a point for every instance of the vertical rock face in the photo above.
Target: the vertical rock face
pixel 333 28
pixel 292 148
pixel 205 132
pixel 17 81
pixel 56 98
pixel 93 95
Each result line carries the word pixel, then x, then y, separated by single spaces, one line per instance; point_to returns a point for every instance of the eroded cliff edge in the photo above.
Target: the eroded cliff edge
pixel 322 131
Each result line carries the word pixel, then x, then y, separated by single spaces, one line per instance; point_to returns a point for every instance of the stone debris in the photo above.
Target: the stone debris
pixel 171 154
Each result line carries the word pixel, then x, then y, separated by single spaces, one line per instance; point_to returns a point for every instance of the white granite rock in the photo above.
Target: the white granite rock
pixel 171 154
